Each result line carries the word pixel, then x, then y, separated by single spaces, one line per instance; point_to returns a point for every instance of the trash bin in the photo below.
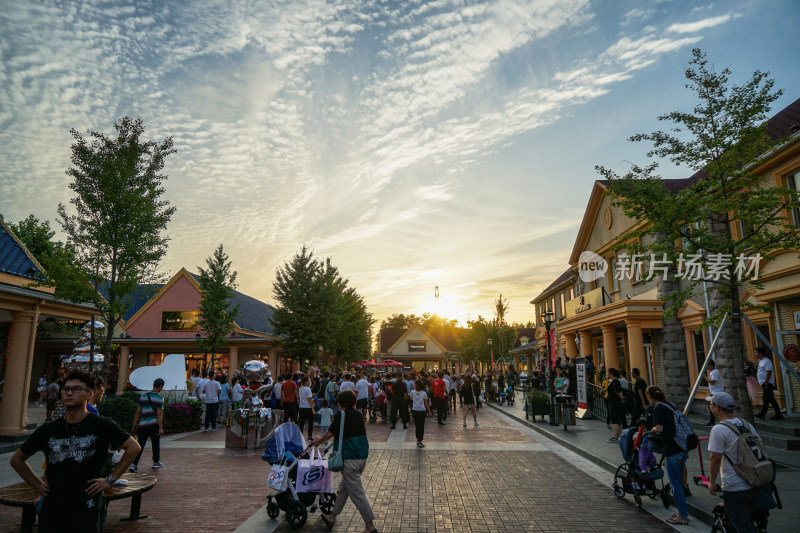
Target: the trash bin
pixel 565 414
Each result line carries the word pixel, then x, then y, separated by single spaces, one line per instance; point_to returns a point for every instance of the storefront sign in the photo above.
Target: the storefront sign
pixel 791 352
pixel 416 346
pixel 179 320
pixel 580 375
pixel 585 302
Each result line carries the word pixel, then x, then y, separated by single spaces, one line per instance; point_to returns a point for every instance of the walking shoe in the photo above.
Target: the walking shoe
pixel 420 445
pixel 476 424
pixel 205 430
pixel 405 426
pixel 778 416
pixel 158 464
pixel 465 424
pixel 213 429
pixel 612 439
pixel 132 468
pixel 392 427
pixel 760 415
pixel 442 424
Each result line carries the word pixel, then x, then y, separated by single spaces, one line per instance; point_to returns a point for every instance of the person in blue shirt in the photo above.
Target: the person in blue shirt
pixel 97 395
pixel 224 399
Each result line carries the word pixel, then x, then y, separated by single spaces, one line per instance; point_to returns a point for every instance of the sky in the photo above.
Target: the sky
pixel 417 144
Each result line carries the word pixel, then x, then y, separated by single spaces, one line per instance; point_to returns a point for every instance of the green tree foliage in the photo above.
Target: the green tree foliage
pixel 723 136
pixel 117 229
pixel 473 345
pixel 318 311
pixel 503 335
pixel 217 313
pixel 59 261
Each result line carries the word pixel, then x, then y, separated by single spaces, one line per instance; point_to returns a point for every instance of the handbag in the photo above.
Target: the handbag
pixel 313 474
pixel 335 460
pixel 278 478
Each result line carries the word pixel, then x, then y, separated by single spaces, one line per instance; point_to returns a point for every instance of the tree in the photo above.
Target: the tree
pixel 318 311
pixel 117 229
pixel 217 313
pixel 503 335
pixel 722 137
pixel 62 270
pixel 399 321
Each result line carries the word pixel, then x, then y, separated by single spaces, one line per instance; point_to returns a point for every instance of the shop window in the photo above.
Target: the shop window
pixel 793 183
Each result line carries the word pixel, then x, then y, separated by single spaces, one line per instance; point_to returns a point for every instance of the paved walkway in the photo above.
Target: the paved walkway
pixel 501 476
pixel 588 439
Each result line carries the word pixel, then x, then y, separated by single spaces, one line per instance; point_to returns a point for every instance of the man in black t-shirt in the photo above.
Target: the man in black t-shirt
pixel 75 449
pixel 399 403
pixel 675 456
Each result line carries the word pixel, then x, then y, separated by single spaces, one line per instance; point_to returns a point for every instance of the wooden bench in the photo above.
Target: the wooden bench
pixel 23 495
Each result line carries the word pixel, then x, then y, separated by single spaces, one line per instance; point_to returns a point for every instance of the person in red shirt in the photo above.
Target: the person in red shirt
pixel 440 397
pixel 289 396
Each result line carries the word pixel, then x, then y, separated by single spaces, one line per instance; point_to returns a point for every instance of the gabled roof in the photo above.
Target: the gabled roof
pixel 254 315
pixel 525 332
pixel 15 259
pixel 567 275
pixel 445 338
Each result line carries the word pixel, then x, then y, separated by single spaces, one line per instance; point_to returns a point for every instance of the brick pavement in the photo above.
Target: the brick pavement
pixel 512 484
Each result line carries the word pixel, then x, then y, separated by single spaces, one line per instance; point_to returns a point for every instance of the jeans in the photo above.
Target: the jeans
pixel 739 508
pixel 674 470
pixel 306 416
pixel 290 411
pixel 211 414
pixel 419 424
pixel 222 415
pixel 441 408
pixel 149 432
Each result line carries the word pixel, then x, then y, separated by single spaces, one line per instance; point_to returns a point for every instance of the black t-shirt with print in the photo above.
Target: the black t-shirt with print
pixel 75 453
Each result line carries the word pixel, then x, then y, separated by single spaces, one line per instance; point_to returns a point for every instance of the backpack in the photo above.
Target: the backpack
pixel 685 437
pixel 753 466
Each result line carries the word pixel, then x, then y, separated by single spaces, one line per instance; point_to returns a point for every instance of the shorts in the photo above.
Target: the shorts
pixel 363 403
pixel 469 400
pixel 617 415
pixel 51 404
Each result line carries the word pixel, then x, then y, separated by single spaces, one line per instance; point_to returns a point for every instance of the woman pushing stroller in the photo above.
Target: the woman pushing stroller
pixel 355 450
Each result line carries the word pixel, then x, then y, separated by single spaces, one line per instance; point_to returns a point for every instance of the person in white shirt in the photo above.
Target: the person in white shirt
pixel 714 379
pixel 723 444
pixel 362 395
pixel 305 407
pixel 201 383
pixel 766 378
pixel 347 384
pixel 420 405
pixel 195 381
pixel 211 390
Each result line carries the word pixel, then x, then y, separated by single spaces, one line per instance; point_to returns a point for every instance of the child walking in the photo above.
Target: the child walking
pixel 325 415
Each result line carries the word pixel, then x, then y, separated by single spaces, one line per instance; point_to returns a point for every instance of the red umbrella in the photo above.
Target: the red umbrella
pixel 361 363
pixel 389 362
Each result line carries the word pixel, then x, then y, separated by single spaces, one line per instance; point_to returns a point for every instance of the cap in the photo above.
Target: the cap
pixel 723 400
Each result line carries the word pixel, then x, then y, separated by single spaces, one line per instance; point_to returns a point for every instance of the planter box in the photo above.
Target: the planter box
pixel 538 410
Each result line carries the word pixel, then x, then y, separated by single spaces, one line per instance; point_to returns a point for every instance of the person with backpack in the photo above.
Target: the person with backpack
pixel 674 429
pixel 738 453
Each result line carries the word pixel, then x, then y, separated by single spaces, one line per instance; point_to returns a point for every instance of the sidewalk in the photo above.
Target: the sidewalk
pixel 588 439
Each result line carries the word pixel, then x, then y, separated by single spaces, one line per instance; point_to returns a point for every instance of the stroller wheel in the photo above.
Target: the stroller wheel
pixel 619 492
pixel 637 500
pixel 326 503
pixel 273 510
pixel 296 514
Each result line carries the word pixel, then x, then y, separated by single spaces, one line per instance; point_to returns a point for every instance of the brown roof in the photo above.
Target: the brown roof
pixel 447 337
pixel 524 332
pixel 559 281
pixel 786 122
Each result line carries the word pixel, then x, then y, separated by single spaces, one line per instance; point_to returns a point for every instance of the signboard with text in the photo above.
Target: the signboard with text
pixel 179 320
pixel 580 375
pixel 585 302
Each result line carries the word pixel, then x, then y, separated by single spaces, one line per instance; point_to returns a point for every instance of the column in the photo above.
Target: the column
pixel 529 362
pixel 273 362
pixel 609 347
pixel 636 348
pixel 572 346
pixel 122 378
pixel 586 343
pixel 233 360
pixel 14 406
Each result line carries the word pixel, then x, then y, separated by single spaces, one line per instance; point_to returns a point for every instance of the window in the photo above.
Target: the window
pixel 793 183
pixel 561 301
pixel 700 354
pixel 416 346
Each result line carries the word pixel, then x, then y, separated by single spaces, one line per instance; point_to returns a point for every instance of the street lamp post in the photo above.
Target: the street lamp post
pixel 548 318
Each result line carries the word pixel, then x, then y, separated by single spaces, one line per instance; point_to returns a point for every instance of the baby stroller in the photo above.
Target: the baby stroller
pixel 286 446
pixel 629 478
pixel 378 406
pixel 506 397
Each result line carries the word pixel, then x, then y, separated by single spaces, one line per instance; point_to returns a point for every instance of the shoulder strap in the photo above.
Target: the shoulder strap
pixel 341 431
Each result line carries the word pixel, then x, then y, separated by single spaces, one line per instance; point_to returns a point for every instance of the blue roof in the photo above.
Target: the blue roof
pixel 14 258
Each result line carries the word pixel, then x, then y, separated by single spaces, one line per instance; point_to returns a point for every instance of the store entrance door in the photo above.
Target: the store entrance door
pixel 791 388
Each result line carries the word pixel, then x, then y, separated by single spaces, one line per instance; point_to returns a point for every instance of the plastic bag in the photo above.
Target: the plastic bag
pixel 313 474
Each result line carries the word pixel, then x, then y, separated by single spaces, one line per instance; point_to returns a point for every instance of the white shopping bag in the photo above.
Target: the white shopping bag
pixel 278 478
pixel 313 474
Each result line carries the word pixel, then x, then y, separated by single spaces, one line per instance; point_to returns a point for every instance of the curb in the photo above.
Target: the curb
pixel 694 511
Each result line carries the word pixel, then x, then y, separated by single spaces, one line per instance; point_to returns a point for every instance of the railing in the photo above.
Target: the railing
pixel 597 404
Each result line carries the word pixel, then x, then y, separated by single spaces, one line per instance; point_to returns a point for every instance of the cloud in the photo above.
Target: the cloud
pixel 694 27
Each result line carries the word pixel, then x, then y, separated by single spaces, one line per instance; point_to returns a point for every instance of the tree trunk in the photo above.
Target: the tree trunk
pixel 740 395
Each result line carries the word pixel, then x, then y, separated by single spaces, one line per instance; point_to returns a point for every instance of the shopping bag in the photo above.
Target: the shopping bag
pixel 278 478
pixel 313 474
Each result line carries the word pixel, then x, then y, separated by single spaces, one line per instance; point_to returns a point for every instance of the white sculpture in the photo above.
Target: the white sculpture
pixel 172 370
